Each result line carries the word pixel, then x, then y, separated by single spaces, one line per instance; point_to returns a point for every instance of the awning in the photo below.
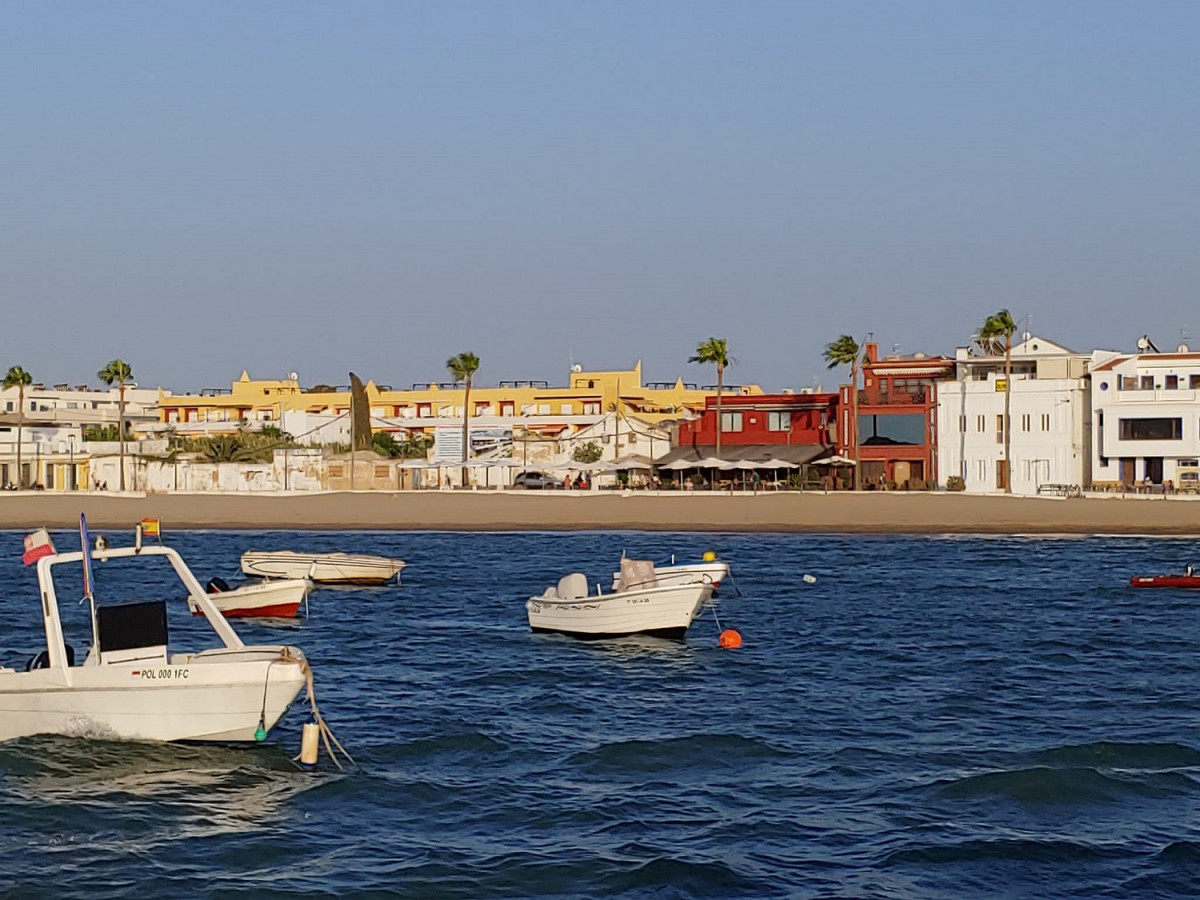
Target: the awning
pixel 793 454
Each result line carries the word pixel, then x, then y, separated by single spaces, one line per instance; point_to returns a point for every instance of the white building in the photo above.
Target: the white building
pixel 1050 410
pixel 1146 407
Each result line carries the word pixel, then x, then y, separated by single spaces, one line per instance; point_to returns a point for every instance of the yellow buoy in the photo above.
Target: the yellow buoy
pixel 309 743
pixel 730 639
pixel 709 556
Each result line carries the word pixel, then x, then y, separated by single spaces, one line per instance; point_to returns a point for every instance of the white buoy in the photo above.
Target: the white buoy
pixel 309 744
pixel 810 579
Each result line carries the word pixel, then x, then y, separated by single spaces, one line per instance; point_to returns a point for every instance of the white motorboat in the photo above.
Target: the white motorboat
pixel 131 685
pixel 709 570
pixel 276 599
pixel 638 606
pixel 323 568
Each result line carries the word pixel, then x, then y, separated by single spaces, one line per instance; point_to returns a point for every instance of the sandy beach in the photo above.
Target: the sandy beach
pixel 494 511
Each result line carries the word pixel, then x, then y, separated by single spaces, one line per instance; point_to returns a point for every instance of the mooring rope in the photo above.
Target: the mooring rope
pixel 327 735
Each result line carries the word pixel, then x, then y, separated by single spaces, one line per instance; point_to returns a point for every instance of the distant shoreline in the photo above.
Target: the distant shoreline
pixel 863 513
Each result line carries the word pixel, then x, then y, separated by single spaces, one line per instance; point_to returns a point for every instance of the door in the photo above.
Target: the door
pixel 1001 472
pixel 1128 471
pixel 871 472
pixel 1154 469
pixel 903 470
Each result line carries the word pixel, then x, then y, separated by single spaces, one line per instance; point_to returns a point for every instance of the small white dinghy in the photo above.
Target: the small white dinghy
pixel 268 599
pixel 710 570
pixel 130 686
pixel 638 606
pixel 324 568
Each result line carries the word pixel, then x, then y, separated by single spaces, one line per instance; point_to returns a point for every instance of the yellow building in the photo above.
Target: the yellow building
pixel 587 394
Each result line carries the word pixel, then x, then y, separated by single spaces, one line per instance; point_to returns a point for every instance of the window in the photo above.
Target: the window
pixel 982 468
pixel 1045 421
pixel 8 406
pixel 1146 383
pixel 906 428
pixel 981 424
pixel 1150 429
pixel 591 409
pixel 999 430
pixel 1193 383
pixel 566 409
pixel 1104 462
pixel 1025 422
pixel 1171 382
pixel 962 424
pixel 779 421
pixel 731 421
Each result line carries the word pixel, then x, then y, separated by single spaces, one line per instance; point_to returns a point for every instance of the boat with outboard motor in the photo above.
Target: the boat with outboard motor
pixel 279 599
pixel 323 568
pixel 131 684
pixel 639 605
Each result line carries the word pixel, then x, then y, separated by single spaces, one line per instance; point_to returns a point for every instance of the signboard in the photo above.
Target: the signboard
pixel 447 442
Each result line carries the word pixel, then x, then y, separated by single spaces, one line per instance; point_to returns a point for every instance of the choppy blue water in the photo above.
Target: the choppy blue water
pixel 934 717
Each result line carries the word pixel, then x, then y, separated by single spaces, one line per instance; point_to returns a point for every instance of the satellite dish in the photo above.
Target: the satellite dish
pixel 1143 343
pixel 577 368
pixel 293 376
pixel 1183 348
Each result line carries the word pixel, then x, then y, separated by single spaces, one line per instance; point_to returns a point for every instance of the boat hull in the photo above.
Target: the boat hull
pixel 661 611
pixel 325 568
pixel 274 599
pixel 1165 581
pixel 223 695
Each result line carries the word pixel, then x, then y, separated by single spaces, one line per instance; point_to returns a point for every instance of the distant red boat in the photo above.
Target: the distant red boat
pixel 1187 580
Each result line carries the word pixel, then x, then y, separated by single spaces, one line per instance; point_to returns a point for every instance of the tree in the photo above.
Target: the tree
pixel 845 351
pixel 20 379
pixel 995 328
pixel 715 350
pixel 463 368
pixel 120 373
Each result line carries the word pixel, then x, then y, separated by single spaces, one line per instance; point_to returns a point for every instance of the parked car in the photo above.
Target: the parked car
pixel 537 481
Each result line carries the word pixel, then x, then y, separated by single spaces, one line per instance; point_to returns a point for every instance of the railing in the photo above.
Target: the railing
pixel 886 399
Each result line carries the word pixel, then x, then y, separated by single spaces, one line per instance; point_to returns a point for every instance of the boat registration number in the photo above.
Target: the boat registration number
pixel 637 599
pixel 174 674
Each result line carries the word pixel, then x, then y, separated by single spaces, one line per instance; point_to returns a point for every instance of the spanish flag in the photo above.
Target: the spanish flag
pixel 150 527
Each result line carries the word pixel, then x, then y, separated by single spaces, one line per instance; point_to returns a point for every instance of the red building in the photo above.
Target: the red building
pixel 897 418
pixel 793 427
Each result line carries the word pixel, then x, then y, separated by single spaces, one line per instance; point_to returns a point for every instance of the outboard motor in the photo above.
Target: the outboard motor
pixel 216 585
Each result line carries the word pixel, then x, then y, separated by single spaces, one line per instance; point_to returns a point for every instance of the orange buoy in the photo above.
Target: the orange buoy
pixel 730 639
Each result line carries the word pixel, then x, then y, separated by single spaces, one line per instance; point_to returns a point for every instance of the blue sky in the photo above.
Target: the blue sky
pixel 199 188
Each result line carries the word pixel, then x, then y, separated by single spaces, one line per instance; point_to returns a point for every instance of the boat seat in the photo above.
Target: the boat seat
pixel 132 632
pixel 42 660
pixel 573 586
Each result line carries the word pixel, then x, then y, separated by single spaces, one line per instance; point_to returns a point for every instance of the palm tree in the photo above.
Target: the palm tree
pixel 845 351
pixel 997 326
pixel 463 368
pixel 715 350
pixel 120 373
pixel 20 379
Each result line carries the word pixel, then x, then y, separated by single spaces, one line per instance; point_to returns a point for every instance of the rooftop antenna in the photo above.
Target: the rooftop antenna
pixel 1144 344
pixel 896 349
pixel 1184 337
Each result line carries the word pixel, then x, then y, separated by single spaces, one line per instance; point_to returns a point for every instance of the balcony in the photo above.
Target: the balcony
pixel 891 399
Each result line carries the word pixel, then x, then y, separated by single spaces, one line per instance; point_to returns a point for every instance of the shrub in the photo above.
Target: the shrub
pixel 955 483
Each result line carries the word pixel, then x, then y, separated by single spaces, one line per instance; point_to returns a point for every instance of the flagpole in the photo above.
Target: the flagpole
pixel 88 591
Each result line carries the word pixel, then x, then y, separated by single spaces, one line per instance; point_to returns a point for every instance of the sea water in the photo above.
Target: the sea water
pixel 931 717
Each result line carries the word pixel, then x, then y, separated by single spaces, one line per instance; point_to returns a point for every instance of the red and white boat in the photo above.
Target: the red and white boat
pixel 1188 579
pixel 268 599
